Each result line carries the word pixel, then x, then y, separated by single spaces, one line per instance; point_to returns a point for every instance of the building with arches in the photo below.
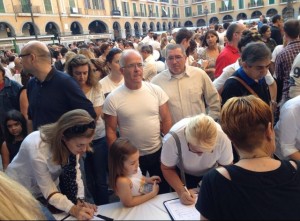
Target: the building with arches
pixel 74 20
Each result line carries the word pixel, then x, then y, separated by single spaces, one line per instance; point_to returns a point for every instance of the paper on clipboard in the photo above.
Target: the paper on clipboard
pixel 178 211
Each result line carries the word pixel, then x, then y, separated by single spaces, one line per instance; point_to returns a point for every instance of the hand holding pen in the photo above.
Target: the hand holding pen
pixel 187 197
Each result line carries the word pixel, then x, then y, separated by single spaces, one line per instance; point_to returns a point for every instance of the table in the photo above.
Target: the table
pixel 150 210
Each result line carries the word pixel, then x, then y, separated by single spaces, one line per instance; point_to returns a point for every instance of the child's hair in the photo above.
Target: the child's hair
pixel 119 152
pixel 16 116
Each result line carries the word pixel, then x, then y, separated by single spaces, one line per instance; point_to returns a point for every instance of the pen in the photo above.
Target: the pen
pixel 187 190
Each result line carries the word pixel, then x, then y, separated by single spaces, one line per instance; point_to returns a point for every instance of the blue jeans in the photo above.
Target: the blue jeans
pixel 96 167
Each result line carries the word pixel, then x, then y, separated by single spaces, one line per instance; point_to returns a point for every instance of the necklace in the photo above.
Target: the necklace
pixel 254 157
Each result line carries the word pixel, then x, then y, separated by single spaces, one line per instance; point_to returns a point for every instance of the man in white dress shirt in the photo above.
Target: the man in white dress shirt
pixel 189 88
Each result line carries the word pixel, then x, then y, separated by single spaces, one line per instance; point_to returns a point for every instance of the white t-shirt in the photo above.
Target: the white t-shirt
pixel 276 51
pixel 193 164
pixel 97 98
pixel 287 129
pixel 295 78
pixel 108 85
pixel 138 114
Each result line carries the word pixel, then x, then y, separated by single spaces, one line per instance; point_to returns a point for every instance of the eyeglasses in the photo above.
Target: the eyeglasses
pixel 80 129
pixel 24 55
pixel 177 58
pixel 133 66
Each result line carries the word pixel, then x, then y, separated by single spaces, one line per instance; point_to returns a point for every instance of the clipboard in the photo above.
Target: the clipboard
pixel 69 217
pixel 178 211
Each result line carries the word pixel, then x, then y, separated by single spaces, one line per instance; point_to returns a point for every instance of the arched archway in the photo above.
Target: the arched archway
pixel 288 12
pixel 152 26
pixel 144 26
pixel 213 20
pixel 117 30
pixel 52 29
pixel 179 24
pixel 28 29
pixel 98 26
pixel 136 29
pixel 76 28
pixel 6 30
pixel 256 14
pixel 201 22
pixel 158 26
pixel 227 18
pixel 174 24
pixel 164 26
pixel 127 27
pixel 241 16
pixel 170 26
pixel 271 12
pixel 188 24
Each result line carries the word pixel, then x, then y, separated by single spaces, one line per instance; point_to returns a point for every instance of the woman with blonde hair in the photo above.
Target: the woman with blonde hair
pixel 257 187
pixel 49 157
pixel 203 146
pixel 17 203
pixel 96 163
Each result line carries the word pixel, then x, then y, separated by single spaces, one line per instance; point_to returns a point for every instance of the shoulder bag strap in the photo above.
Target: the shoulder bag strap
pixel 245 85
pixel 178 144
pixel 51 195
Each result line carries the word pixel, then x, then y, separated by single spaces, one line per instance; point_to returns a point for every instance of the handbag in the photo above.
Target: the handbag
pixel 45 202
pixel 178 144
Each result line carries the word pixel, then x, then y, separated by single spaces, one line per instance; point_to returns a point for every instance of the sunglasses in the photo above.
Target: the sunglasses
pixel 80 129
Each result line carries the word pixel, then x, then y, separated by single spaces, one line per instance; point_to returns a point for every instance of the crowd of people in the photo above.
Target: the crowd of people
pixel 210 111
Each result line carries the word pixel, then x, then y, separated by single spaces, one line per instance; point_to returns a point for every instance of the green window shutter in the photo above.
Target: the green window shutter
pixel 72 3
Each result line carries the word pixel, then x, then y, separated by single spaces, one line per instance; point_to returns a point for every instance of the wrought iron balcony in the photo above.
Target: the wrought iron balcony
pixel 225 9
pixel 115 12
pixel 259 3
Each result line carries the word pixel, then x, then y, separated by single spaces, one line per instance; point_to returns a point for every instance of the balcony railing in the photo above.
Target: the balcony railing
pixel 253 4
pixel 225 9
pixel 26 9
pixel 196 1
pixel 74 11
pixel 115 12
pixel 175 16
pixel 151 14
pixel 127 14
pixel 188 14
pixel 175 2
pixel 166 1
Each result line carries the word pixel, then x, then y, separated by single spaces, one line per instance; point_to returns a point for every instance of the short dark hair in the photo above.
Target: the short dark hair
pixel 292 28
pixel 255 51
pixel 111 54
pixel 263 29
pixel 226 25
pixel 230 31
pixel 275 18
pixel 182 34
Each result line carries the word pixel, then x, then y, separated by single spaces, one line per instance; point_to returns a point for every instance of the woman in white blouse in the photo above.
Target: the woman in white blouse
pixel 45 152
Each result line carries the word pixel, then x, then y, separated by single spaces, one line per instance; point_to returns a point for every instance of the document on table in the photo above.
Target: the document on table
pixel 178 211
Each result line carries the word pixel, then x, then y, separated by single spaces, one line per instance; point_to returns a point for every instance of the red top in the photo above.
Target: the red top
pixel 228 56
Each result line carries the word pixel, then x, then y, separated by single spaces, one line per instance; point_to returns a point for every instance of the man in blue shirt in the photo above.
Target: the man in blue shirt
pixel 50 92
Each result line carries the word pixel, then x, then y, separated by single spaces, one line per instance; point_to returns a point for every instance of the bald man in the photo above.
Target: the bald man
pixel 51 93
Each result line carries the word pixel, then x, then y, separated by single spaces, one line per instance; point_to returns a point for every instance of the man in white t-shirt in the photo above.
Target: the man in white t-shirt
pixel 140 110
pixel 149 69
pixel 204 146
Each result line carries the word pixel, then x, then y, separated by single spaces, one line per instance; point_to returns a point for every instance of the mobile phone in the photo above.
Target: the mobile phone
pixel 146 188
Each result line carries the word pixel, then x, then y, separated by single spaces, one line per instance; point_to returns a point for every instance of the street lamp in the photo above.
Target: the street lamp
pixel 206 12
